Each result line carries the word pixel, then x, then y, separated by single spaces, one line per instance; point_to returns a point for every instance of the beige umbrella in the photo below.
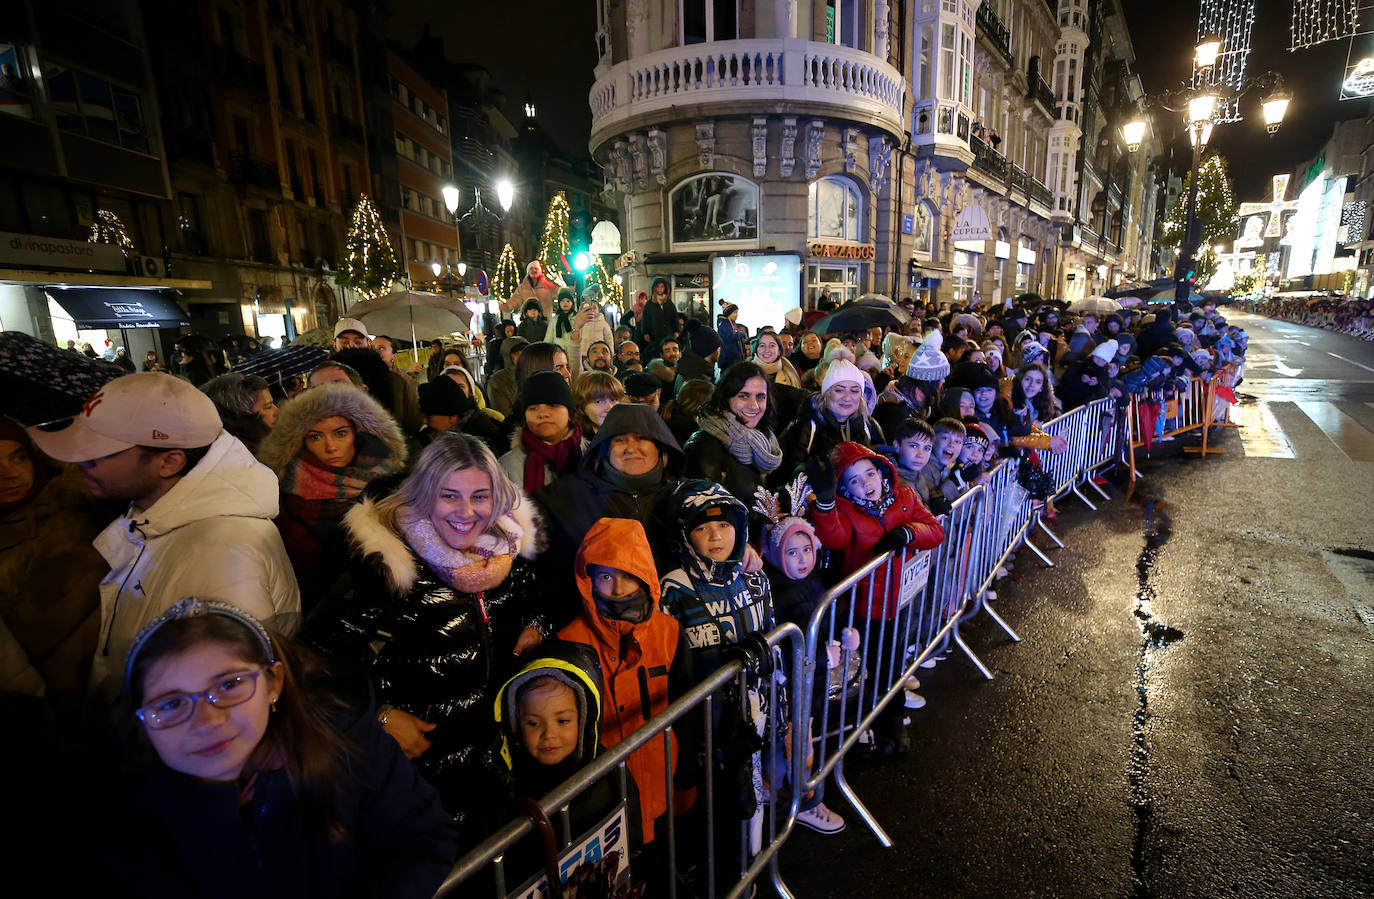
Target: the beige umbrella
pixel 430 314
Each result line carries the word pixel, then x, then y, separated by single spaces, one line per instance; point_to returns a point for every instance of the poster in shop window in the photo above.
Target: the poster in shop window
pixel 715 206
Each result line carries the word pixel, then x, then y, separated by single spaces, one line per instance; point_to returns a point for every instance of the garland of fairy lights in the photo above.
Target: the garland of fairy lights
pixel 107 228
pixel 369 264
pixel 553 245
pixel 507 276
pixel 1232 21
pixel 1318 21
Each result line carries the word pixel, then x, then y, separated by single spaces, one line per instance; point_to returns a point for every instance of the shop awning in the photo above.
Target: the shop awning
pixel 120 307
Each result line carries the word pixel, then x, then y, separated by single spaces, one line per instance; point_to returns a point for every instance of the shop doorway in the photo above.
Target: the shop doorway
pixel 843 281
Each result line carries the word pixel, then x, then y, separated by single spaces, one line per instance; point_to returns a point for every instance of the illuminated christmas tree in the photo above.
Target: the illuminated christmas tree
pixel 553 246
pixel 369 264
pixel 507 276
pixel 610 290
pixel 1216 211
pixel 107 228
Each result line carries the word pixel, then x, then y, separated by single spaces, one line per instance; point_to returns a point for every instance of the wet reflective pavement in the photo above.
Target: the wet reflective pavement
pixel 1189 712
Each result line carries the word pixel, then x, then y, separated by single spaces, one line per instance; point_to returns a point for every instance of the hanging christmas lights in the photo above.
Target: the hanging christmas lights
pixel 107 228
pixel 1318 21
pixel 1232 22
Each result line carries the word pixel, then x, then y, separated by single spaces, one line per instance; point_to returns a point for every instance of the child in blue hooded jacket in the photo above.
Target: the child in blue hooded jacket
pixel 711 595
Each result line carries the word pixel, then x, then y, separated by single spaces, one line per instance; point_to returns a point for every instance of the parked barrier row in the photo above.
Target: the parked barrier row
pixel 828 695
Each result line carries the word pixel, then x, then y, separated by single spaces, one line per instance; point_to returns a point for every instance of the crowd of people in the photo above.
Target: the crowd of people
pixel 334 628
pixel 1342 314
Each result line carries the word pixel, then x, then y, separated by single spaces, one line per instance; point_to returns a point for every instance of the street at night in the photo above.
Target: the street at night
pixel 717 449
pixel 1219 746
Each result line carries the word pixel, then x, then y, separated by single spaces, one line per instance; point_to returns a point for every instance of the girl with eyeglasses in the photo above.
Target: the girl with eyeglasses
pixel 251 778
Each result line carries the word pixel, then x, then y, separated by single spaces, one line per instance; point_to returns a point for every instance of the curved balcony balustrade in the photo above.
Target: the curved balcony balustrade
pixel 752 75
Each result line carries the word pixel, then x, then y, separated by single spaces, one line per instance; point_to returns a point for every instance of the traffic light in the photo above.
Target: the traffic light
pixel 582 260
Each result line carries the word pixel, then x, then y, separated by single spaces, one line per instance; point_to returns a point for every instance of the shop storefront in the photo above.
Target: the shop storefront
pixel 843 267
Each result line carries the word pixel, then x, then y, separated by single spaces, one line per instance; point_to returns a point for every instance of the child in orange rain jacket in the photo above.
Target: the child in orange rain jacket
pixel 645 660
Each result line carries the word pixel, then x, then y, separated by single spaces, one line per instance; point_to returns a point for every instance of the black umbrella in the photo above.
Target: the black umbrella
pixel 859 315
pixel 275 365
pixel 40 382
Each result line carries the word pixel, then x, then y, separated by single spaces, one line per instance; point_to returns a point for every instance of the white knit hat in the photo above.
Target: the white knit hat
pixel 929 364
pixel 1105 351
pixel 841 371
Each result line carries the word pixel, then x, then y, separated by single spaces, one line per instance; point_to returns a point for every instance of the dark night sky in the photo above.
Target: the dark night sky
pixel 544 46
pixel 548 48
pixel 1164 31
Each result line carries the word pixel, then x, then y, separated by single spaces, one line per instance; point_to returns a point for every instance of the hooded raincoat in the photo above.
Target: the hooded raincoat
pixel 644 666
pixel 853 531
pixel 716 603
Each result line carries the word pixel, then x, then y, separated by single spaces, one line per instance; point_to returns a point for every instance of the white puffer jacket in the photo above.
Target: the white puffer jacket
pixel 210 536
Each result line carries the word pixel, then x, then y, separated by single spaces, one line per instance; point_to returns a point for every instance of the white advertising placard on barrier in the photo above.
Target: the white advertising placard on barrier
pixel 606 837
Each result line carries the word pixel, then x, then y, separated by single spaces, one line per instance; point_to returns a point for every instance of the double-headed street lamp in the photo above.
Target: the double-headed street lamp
pixel 1199 105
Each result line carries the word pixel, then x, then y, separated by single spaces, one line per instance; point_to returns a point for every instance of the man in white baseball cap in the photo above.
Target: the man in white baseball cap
pixel 200 516
pixel 351 334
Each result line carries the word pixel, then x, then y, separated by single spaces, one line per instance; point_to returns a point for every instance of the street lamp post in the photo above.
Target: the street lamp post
pixel 1199 104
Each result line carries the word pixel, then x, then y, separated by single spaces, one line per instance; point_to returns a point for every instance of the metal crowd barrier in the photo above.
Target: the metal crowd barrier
pixel 918 602
pixel 1192 410
pixel 482 871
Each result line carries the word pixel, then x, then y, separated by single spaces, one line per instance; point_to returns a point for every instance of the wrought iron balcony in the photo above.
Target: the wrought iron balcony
pixel 996 32
pixel 988 160
pixel 1039 193
pixel 350 131
pixel 253 172
pixel 238 72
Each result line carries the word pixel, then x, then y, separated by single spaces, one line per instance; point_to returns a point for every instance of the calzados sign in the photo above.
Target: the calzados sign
pixel 842 251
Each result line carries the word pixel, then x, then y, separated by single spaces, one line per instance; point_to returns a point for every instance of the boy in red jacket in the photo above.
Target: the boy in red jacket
pixel 875 512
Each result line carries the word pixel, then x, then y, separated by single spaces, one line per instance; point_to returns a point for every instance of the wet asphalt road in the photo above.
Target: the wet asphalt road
pixel 1221 746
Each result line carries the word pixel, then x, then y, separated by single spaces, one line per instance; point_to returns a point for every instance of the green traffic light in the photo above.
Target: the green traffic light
pixel 582 261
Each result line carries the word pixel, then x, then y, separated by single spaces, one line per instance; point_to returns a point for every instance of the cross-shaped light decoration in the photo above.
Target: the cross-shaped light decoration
pixel 1276 208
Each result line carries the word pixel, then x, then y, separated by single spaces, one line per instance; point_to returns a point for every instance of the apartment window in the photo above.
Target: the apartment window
pixel 708 20
pixel 14 91
pixel 947 61
pixel 834 209
pixel 925 62
pixel 243 143
pixel 846 23
pixel 966 68
pixel 85 104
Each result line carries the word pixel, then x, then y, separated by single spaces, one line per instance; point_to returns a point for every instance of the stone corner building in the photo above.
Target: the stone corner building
pixel 859 134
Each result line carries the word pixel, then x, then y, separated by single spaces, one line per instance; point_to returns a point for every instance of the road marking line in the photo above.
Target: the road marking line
pixel 1351 361
pixel 1349 435
pixel 1260 434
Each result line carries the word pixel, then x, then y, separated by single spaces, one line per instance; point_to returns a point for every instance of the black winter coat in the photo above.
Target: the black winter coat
pixel 708 458
pixel 659 321
pixel 815 433
pixel 177 836
pixel 443 653
pixel 576 501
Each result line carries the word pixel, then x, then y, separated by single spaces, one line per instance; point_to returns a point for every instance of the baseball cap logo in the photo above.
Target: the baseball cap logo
pixel 89 406
pixel 158 435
